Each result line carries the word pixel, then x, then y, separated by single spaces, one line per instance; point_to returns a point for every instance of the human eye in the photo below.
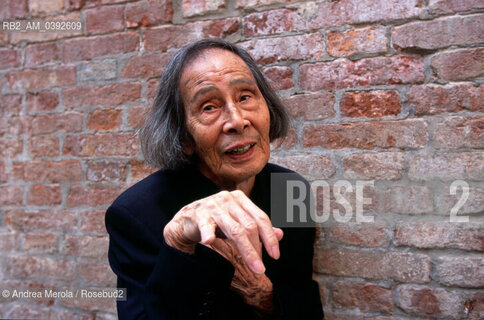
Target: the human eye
pixel 244 97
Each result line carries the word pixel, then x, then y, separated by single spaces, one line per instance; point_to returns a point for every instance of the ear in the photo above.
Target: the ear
pixel 188 146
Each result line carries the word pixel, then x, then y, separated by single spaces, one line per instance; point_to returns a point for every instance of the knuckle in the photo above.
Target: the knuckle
pixel 238 193
pixel 236 231
pixel 251 226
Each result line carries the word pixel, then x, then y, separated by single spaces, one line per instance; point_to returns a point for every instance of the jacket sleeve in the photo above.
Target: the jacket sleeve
pixel 296 295
pixel 161 282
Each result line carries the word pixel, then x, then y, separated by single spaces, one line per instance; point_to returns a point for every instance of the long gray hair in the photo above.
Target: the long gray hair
pixel 164 130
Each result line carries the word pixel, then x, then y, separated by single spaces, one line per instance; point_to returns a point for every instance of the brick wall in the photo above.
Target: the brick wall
pixel 383 90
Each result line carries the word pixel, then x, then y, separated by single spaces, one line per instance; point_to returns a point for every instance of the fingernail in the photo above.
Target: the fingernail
pixel 275 252
pixel 258 267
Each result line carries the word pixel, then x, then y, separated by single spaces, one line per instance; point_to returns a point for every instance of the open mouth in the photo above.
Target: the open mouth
pixel 241 150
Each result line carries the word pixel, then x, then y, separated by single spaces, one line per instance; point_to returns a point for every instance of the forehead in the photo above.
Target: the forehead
pixel 211 64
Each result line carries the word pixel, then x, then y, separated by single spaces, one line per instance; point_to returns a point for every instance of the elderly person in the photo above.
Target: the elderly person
pixel 195 240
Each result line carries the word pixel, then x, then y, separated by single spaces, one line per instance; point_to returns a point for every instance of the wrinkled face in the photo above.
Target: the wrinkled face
pixel 227 117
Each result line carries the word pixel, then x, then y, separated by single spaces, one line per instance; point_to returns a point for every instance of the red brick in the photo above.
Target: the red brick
pixel 279 78
pixel 40 268
pixel 440 33
pixel 8 241
pixel 192 8
pixel 431 302
pixel 152 89
pixel 137 115
pixel 93 222
pixel 106 171
pixel 39 243
pixel 98 274
pixel 139 170
pixel 378 166
pixel 366 72
pixel 303 47
pixel 399 266
pixel 451 6
pixel 360 235
pixel 11 104
pixel 88 48
pixel 40 6
pixel 337 13
pixel 367 135
pixel 9 58
pixel 110 95
pixel 460 271
pixel 16 125
pixel 42 78
pixel 434 99
pixel 42 101
pixel 367 297
pixel 288 142
pixel 3 173
pixel 40 195
pixel 11 9
pixel 440 235
pixel 316 106
pixel 462 64
pixel 357 42
pixel 104 19
pixel 148 13
pixel 85 246
pixel 268 22
pixel 312 167
pixel 104 119
pixel 37 54
pixel 107 144
pixel 370 104
pixel 406 199
pixel 93 305
pixel 11 195
pixel 445 166
pixel 46 220
pixel 146 66
pixel 92 196
pixel 50 123
pixel 44 146
pixel 175 36
pixel 459 132
pixel 10 147
pixel 48 171
pixel 98 70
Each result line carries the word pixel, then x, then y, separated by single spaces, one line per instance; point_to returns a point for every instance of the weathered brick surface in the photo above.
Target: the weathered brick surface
pixel 37 54
pixel 357 42
pixel 175 36
pixel 404 267
pixel 365 72
pixel 379 166
pixel 459 65
pixel 383 90
pixel 114 94
pixel 271 50
pixel 88 48
pixel 371 104
pixel 440 33
pixel 104 19
pixel 440 235
pixel 148 12
pixel 268 22
pixel 434 99
pixel 367 297
pixel 367 135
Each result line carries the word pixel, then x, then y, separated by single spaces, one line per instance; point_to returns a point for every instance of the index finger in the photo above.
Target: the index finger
pixel 266 232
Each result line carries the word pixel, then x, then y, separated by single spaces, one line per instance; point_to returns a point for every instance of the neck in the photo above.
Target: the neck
pixel 244 185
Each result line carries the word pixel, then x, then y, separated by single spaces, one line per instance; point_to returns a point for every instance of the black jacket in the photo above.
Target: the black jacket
pixel 165 283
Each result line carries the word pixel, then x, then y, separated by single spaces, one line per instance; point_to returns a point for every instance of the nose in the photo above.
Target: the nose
pixel 235 121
